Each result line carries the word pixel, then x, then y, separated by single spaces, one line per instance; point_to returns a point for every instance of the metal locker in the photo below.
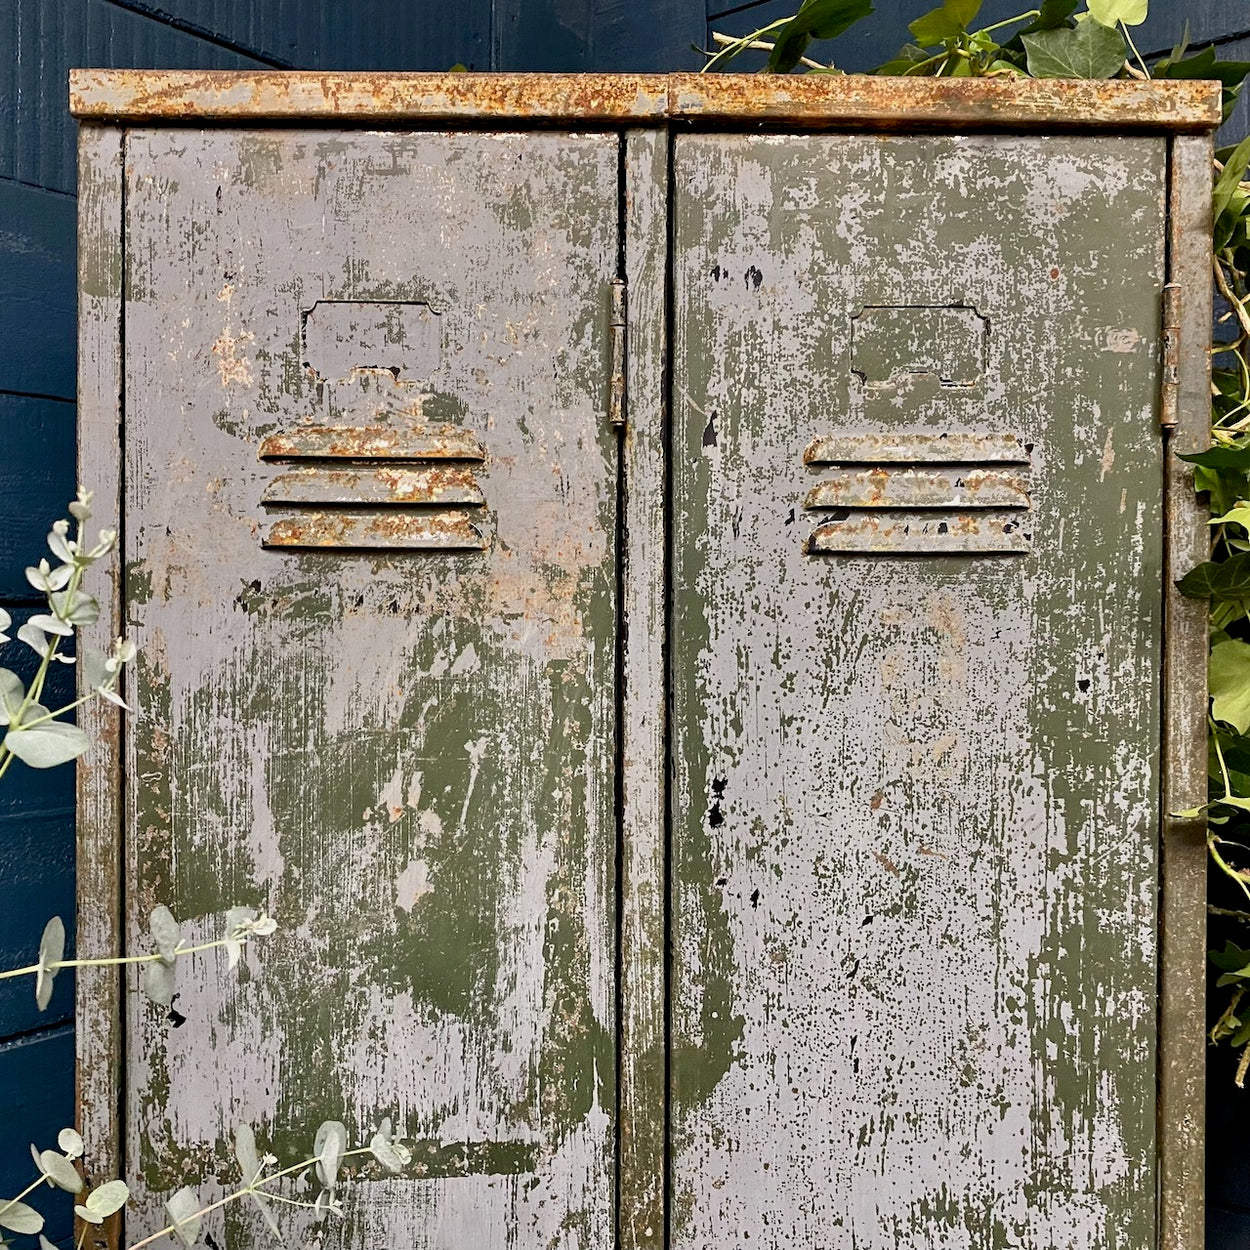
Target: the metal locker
pixel 662 586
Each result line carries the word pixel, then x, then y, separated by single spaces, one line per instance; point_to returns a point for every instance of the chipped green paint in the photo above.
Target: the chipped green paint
pixel 406 758
pixel 915 811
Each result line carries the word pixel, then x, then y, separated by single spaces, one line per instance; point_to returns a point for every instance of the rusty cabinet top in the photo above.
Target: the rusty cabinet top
pixel 120 95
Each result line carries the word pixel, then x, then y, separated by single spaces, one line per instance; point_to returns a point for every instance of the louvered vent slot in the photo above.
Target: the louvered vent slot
pixel 920 494
pixel 408 488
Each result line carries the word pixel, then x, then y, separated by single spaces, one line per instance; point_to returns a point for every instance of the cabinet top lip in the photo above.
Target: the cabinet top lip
pixel 725 100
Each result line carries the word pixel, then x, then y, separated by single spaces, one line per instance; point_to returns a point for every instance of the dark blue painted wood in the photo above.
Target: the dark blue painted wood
pixel 39 41
pixel 36 1102
pixel 366 34
pixel 36 483
pixel 578 35
pixel 43 39
pixel 36 857
pixel 37 291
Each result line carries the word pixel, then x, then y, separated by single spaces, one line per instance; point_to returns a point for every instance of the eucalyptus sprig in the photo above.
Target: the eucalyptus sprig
pixel 33 734
pixel 186 1210
pixel 57 1170
pixel 242 924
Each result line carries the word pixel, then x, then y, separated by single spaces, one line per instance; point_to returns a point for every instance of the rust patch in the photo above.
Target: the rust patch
pixel 372 442
pixel 433 484
pixel 383 529
pixel 936 488
pixel 893 103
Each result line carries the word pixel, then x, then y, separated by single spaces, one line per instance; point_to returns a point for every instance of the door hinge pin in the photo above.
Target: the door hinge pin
pixel 1169 398
pixel 616 380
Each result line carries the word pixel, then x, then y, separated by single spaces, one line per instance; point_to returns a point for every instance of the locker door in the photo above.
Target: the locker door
pixel 370 519
pixel 916 640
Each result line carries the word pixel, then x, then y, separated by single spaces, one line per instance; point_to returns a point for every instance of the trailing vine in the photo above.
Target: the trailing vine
pixel 1057 41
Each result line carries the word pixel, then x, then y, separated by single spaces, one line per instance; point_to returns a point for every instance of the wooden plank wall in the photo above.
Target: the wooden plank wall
pixel 39 41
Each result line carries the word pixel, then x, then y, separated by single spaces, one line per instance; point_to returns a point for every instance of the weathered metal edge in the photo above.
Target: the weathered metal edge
pixel 1183 863
pixel 896 103
pixel 643 1080
pixel 99 837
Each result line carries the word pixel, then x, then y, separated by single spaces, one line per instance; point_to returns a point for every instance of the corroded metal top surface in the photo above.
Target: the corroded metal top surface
pixel 172 95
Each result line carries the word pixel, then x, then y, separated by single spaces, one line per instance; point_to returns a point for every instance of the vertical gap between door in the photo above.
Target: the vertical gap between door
pixel 619 711
pixel 666 442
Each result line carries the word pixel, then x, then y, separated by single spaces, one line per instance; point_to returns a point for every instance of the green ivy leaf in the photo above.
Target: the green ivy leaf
pixel 1054 14
pixel 948 22
pixel 1223 581
pixel 1088 50
pixel 1230 684
pixel 1109 12
pixel 816 19
pixel 1230 958
pixel 1220 458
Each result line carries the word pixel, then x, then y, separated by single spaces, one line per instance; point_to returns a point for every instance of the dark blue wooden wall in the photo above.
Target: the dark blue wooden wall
pixel 39 41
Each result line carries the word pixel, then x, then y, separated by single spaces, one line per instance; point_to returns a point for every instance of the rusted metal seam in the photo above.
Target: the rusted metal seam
pixel 1183 853
pixel 100 1032
pixel 900 103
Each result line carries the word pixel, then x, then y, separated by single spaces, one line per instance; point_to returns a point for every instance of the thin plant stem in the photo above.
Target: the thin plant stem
pixel 112 961
pixel 740 45
pixel 1010 21
pixel 1133 48
pixel 30 1189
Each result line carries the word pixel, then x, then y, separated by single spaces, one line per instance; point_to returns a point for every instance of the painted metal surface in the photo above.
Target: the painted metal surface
pixel 408 759
pixel 915 807
pixel 911 870
pixel 101 859
pixel 894 103
pixel 1183 870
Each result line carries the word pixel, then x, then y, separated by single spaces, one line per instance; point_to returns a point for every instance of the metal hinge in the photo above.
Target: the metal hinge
pixel 1169 401
pixel 616 379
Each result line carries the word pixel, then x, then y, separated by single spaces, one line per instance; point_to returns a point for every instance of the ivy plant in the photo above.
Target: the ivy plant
pixel 1063 40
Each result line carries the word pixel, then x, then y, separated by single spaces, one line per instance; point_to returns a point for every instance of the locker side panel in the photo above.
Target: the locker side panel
pixel 916 637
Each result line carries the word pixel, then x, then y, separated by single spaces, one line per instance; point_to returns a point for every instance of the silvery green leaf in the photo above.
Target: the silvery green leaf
pixel 59 1170
pixel 59 543
pixel 34 638
pixel 5 621
pixel 47 745
pixel 44 1243
pixel 70 1143
pixel 80 509
pixel 237 921
pixel 183 1210
pixel 106 1199
pixel 12 692
pixel 51 625
pixel 46 578
pixel 326 1204
pixel 17 1217
pixel 51 951
pixel 328 1147
pixel 394 1158
pixel 245 1153
pixel 166 932
pixel 158 982
pixel 266 1211
pixel 77 607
